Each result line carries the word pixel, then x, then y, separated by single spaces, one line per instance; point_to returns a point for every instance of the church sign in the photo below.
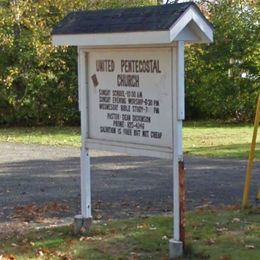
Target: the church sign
pixel 131 87
pixel 129 100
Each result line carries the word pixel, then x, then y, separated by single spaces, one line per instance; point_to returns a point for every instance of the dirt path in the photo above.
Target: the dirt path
pixel 44 180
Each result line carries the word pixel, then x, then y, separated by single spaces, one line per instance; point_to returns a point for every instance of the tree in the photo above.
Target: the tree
pixel 38 82
pixel 223 77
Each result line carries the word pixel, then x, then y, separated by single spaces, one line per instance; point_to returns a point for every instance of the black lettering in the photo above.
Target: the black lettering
pixel 113 116
pixel 136 125
pixel 118 123
pixel 139 94
pixel 118 93
pixel 137 132
pixel 127 131
pixel 105 65
pixel 108 107
pixel 140 66
pixel 108 129
pixel 119 100
pixel 124 80
pixel 131 94
pixel 145 119
pixel 145 133
pixel 156 135
pixel 125 108
pixel 135 101
pixel 137 109
pixel 104 99
pixel 156 110
pixel 104 92
pixel 156 103
pixel 126 117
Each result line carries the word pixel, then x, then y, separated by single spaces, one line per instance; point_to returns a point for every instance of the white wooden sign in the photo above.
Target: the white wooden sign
pixel 130 101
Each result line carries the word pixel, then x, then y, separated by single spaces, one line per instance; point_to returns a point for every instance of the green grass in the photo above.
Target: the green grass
pixel 69 136
pixel 209 139
pixel 213 139
pixel 211 234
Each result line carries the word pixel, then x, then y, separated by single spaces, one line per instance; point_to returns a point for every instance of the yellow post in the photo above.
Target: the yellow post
pixel 251 157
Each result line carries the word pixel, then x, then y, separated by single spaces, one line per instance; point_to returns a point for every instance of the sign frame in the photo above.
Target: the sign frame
pixel 176 154
pixel 134 149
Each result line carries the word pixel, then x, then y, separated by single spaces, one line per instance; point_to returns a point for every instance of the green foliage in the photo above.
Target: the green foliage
pixel 223 77
pixel 38 82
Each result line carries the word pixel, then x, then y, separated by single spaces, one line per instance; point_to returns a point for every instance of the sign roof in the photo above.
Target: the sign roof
pixel 137 19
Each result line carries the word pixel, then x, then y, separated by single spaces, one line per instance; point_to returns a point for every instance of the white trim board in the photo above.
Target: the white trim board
pixel 195 23
pixel 130 149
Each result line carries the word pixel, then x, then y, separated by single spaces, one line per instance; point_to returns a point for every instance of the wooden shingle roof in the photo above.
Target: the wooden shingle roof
pixel 137 26
pixel 150 18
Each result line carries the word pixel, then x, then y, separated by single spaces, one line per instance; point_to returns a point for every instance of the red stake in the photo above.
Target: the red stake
pixel 182 201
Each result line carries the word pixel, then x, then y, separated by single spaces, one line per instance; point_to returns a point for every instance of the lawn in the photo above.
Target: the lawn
pixel 69 136
pixel 213 139
pixel 211 234
pixel 209 139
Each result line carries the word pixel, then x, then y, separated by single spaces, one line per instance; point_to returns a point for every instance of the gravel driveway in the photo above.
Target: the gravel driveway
pixel 122 186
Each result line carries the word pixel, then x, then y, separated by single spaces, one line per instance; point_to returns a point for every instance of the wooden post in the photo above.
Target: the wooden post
pixel 182 201
pixel 251 157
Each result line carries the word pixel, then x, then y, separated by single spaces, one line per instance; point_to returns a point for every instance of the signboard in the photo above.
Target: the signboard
pixel 130 100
